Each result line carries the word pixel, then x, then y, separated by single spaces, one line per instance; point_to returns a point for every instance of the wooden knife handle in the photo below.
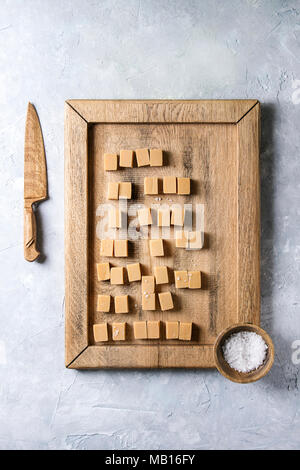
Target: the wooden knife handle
pixel 30 251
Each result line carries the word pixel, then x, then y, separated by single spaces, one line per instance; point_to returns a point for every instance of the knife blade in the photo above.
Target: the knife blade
pixel 35 179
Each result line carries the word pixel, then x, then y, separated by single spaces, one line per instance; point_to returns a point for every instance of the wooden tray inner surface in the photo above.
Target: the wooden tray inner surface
pixel 207 153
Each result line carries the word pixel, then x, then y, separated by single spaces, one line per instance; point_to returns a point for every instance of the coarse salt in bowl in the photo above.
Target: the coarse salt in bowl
pixel 244 353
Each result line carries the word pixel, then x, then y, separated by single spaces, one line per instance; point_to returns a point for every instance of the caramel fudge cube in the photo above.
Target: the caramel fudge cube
pixel 166 301
pixel 126 158
pixel 163 218
pixel 113 190
pixel 148 301
pixel 140 329
pixel 183 186
pixel 196 240
pixel 177 216
pixel 107 247
pixel 156 247
pixel 150 185
pixel 144 216
pixel 114 219
pixel 134 272
pixel 153 329
pixel 194 279
pixel 118 331
pixel 172 329
pixel 121 248
pixel 117 275
pixel 148 286
pixel 103 303
pixel 161 274
pixel 103 271
pixel 142 157
pixel 185 331
pixel 181 241
pixel 110 161
pixel 181 279
pixel 121 304
pixel 100 332
pixel 169 184
pixel 156 157
pixel 125 190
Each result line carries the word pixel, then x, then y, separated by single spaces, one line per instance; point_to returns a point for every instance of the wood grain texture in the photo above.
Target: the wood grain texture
pixel 145 356
pixel 30 234
pixel 35 180
pixel 35 172
pixel 139 111
pixel 249 217
pixel 76 234
pixel 215 155
pixel 211 163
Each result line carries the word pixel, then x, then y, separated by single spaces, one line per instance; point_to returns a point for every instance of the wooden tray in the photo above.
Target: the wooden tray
pixel 216 143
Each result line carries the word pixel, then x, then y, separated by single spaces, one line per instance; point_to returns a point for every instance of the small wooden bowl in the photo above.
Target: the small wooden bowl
pixel 232 374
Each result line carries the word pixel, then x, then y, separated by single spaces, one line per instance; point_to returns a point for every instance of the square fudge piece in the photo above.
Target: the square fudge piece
pixel 114 218
pixel 156 247
pixel 161 275
pixel 172 329
pixel 100 332
pixel 121 248
pixel 110 161
pixel 134 272
pixel 196 240
pixel 113 190
pixel 185 331
pixel 150 185
pixel 148 286
pixel 177 216
pixel 156 157
pixel 148 301
pixel 181 279
pixel 118 331
pixel 140 329
pixel 183 185
pixel 103 271
pixel 121 304
pixel 163 218
pixel 144 216
pixel 107 247
pixel 166 301
pixel 103 303
pixel 126 158
pixel 153 329
pixel 125 190
pixel 169 184
pixel 117 276
pixel 181 241
pixel 194 279
pixel 142 157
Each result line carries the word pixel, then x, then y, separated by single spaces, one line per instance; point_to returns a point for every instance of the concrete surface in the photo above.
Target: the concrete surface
pixel 51 51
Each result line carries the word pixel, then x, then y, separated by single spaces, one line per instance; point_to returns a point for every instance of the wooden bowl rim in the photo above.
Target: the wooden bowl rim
pixel 230 373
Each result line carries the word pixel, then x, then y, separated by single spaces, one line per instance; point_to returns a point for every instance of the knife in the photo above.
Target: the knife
pixel 35 179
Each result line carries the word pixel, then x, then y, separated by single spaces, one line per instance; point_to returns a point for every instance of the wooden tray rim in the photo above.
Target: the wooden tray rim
pixel 79 115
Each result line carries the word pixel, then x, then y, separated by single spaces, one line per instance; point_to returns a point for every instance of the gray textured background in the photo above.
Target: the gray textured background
pixel 52 50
